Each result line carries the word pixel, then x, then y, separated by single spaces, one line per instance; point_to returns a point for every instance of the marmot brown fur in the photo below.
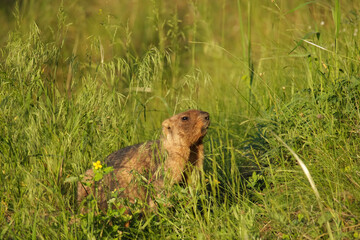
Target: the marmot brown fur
pixel 165 161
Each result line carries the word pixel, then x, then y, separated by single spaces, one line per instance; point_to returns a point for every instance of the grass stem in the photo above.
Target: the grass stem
pixel 310 179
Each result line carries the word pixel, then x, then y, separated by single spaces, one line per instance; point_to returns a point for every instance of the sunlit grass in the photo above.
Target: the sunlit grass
pixel 81 80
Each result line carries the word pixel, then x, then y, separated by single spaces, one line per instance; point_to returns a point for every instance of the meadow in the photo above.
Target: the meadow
pixel 280 79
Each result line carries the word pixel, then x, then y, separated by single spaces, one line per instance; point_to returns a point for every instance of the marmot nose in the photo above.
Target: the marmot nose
pixel 206 115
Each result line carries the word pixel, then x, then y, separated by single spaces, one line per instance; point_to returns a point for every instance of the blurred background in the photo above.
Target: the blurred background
pixel 233 41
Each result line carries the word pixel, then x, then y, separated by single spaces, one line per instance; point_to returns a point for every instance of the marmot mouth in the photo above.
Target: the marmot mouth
pixel 204 129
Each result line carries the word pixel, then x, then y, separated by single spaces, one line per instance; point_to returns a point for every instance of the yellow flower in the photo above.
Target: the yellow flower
pixel 97 165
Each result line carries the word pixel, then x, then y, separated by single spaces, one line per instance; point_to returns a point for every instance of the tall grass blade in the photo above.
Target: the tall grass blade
pixel 299 6
pixel 310 179
pixel 249 60
pixel 241 26
pixel 307 35
pixel 337 19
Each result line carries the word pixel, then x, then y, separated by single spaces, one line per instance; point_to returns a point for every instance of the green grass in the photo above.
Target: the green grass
pixel 280 79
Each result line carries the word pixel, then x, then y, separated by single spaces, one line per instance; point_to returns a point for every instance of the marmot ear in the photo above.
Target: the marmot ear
pixel 166 127
pixel 166 124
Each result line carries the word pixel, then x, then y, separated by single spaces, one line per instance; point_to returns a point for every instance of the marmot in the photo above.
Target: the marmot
pixel 165 161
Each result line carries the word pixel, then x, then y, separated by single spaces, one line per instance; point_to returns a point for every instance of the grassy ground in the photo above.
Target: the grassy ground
pixel 80 79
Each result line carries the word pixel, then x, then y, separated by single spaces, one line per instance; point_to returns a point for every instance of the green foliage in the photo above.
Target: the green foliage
pixel 114 222
pixel 81 80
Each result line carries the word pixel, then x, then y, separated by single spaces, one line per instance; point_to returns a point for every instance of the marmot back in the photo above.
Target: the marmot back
pixel 179 150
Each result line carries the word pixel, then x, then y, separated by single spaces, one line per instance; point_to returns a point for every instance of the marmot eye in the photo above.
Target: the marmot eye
pixel 184 118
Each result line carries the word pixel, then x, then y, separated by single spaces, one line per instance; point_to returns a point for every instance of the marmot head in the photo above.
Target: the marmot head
pixel 187 128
